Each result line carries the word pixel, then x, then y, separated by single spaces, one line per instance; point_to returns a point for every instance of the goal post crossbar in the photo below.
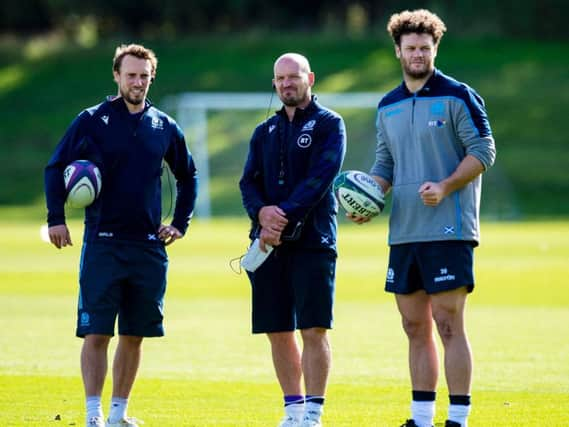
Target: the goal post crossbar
pixel 191 108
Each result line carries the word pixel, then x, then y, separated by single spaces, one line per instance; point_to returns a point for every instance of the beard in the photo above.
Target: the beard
pixel 132 99
pixel 293 100
pixel 417 73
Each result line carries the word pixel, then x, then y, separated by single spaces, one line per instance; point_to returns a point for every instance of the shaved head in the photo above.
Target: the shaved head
pixel 293 80
pixel 297 58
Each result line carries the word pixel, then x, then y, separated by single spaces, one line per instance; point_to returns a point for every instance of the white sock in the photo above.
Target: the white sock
pixel 423 412
pixel 459 414
pixel 94 408
pixel 295 410
pixel 118 409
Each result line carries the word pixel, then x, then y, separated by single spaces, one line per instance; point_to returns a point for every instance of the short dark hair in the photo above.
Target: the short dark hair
pixel 415 21
pixel 137 51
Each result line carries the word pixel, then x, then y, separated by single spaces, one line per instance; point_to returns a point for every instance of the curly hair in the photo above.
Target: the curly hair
pixel 137 51
pixel 415 21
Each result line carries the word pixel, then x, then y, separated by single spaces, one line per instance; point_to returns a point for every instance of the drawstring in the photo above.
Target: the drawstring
pixel 232 264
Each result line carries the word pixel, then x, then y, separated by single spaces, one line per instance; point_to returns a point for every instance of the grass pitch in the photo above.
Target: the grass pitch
pixel 210 371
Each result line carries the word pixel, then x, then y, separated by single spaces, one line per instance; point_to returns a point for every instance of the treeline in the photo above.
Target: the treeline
pixel 533 19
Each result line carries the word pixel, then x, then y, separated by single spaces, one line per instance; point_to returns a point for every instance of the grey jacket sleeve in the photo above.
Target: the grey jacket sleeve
pixel 383 165
pixel 473 129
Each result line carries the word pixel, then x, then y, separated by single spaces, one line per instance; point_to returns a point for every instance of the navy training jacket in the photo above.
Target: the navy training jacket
pixel 129 150
pixel 293 165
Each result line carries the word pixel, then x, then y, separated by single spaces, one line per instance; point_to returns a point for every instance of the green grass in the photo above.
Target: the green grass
pixel 210 371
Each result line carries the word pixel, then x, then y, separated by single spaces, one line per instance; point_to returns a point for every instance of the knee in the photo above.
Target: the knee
pixel 314 336
pixel 282 341
pixel 417 330
pixel 448 325
pixel 130 340
pixel 97 342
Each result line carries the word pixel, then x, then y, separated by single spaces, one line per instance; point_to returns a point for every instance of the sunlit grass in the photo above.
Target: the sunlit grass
pixel 210 371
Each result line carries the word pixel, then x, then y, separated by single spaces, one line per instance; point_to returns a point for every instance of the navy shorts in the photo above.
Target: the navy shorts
pixel 124 279
pixel 294 289
pixel 433 266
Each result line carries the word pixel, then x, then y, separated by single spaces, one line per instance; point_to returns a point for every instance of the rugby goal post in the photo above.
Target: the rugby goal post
pixel 191 109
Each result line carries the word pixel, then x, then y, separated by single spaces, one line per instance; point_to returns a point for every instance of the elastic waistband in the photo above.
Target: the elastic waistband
pixel 114 236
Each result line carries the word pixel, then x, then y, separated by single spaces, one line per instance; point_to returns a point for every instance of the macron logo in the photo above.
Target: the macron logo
pixel 445 276
pixel 105 119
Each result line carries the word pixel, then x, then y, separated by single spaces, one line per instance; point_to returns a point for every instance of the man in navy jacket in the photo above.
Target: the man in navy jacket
pixel 123 260
pixel 286 191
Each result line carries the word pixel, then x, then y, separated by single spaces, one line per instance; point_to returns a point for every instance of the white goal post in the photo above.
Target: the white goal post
pixel 191 108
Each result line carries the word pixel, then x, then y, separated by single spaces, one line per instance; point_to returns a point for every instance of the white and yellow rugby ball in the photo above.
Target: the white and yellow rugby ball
pixel 359 194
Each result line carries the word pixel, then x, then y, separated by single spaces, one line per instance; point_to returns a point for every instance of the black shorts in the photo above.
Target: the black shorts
pixel 433 266
pixel 124 279
pixel 293 289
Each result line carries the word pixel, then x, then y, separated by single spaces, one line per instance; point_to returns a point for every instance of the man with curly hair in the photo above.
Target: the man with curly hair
pixel 433 143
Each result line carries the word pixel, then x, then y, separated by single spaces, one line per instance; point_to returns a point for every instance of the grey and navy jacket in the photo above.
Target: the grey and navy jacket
pixel 423 136
pixel 129 150
pixel 292 164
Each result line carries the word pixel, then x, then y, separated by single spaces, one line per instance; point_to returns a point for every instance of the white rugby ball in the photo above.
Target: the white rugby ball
pixel 82 182
pixel 359 194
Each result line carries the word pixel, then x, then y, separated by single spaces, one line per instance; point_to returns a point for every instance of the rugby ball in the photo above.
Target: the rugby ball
pixel 82 183
pixel 359 194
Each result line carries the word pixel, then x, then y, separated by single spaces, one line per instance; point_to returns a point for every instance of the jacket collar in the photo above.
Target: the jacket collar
pixel 427 87
pixel 117 102
pixel 301 113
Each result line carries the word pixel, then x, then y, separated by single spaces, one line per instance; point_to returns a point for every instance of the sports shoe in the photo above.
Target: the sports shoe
pixel 95 422
pixel 308 422
pixel 289 421
pixel 311 419
pixel 410 423
pixel 450 423
pixel 125 422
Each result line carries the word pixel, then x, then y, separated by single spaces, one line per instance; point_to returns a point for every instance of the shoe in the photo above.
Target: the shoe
pixel 95 422
pixel 125 422
pixel 307 422
pixel 289 421
pixel 311 419
pixel 411 423
pixel 450 423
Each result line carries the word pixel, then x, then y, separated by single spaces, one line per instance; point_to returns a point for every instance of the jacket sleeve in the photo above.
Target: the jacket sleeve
pixel 325 163
pixel 251 182
pixel 69 148
pixel 182 165
pixel 383 164
pixel 473 128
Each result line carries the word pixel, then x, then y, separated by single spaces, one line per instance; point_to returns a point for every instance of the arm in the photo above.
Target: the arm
pixel 474 133
pixel 181 164
pixel 271 218
pixel 251 181
pixel 68 149
pixel 433 192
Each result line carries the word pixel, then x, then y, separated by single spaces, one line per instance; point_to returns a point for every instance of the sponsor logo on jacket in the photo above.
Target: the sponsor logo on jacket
pixel 304 140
